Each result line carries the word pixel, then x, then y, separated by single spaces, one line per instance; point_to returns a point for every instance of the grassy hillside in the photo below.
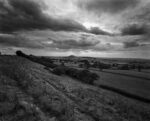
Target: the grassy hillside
pixel 29 92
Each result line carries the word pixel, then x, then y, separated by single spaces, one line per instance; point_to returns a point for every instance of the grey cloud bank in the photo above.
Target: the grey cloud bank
pixel 73 26
pixel 27 15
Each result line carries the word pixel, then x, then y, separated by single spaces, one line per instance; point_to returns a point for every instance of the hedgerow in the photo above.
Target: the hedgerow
pixel 82 75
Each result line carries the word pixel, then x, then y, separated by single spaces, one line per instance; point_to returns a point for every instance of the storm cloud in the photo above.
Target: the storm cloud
pixel 135 29
pixel 132 44
pixel 27 15
pixel 109 6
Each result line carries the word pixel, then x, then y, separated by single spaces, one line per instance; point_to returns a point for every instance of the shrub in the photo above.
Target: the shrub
pixel 20 53
pixel 60 70
pixel 82 75
pixel 72 72
pixel 87 76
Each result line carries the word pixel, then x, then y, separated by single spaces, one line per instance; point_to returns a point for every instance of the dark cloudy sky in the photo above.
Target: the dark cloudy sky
pixel 99 28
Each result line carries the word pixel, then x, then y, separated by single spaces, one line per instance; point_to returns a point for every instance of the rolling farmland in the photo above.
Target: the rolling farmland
pixel 144 74
pixel 29 89
pixel 130 84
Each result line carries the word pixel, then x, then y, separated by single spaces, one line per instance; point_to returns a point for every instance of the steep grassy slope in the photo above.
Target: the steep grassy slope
pixel 28 92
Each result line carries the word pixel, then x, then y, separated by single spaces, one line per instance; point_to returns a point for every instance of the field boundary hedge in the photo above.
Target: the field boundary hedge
pixel 124 93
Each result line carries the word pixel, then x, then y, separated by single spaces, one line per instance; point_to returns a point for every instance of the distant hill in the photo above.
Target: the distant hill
pixel 72 56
